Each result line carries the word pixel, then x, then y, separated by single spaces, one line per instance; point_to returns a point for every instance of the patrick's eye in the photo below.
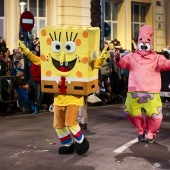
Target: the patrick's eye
pixel 140 46
pixel 56 46
pixel 147 47
pixel 70 47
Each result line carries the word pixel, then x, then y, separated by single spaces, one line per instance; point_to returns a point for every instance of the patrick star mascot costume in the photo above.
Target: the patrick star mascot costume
pixel 144 85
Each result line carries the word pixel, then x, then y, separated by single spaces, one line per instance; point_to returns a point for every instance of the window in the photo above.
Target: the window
pixel 33 7
pixel 1 8
pixel 111 16
pixel 138 19
pixel 38 9
pixel 2 19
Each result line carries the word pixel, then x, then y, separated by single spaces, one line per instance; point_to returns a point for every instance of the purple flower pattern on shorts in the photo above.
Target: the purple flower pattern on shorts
pixel 127 113
pixel 159 115
pixel 143 97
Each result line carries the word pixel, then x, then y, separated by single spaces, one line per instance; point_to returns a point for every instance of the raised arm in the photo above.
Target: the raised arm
pixel 119 61
pixel 33 58
pixel 98 63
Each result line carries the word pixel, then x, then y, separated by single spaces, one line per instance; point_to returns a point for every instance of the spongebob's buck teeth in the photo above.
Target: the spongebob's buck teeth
pixel 69 64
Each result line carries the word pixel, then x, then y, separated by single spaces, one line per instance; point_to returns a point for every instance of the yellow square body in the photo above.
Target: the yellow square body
pixel 67 56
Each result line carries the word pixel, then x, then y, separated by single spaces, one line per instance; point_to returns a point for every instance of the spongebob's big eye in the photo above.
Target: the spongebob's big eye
pixel 70 46
pixel 140 46
pixel 56 46
pixel 147 47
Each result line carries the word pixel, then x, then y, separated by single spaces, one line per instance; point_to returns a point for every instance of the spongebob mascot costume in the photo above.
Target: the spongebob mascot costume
pixel 69 59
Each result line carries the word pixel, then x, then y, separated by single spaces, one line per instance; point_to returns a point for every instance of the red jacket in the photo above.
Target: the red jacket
pixel 36 72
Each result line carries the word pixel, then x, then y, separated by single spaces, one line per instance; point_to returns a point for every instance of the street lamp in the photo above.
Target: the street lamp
pixel 22 4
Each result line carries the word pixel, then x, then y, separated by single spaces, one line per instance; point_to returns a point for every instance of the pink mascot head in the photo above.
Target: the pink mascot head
pixel 145 40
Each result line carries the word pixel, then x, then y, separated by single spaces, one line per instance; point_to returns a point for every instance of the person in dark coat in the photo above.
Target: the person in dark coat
pixel 6 86
pixel 23 98
pixel 2 45
pixel 2 64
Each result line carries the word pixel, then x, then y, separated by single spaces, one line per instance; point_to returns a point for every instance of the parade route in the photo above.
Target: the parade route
pixel 29 142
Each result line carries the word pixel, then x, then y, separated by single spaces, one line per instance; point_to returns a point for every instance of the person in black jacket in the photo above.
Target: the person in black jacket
pixel 2 64
pixel 2 45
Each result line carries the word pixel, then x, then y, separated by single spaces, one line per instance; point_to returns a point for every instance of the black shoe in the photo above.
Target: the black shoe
pixel 149 140
pixel 66 149
pixel 84 126
pixel 81 148
pixel 141 137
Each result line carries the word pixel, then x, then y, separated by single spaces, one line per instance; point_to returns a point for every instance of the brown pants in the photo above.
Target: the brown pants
pixel 65 116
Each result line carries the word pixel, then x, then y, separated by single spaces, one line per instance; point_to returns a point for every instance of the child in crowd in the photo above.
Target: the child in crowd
pixel 17 68
pixel 23 98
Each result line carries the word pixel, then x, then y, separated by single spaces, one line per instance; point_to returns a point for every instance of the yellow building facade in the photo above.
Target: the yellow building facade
pixel 77 13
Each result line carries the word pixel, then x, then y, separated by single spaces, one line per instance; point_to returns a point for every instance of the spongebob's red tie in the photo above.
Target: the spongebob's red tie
pixel 63 87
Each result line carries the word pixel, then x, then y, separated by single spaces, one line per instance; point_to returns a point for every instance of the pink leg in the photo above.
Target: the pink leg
pixel 138 122
pixel 152 126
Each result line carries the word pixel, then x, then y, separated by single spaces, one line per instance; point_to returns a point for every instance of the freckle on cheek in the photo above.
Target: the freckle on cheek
pixel 48 73
pixel 79 74
pixel 78 42
pixel 84 60
pixel 48 41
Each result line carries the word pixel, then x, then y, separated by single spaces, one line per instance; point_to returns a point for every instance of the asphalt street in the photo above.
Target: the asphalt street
pixel 29 142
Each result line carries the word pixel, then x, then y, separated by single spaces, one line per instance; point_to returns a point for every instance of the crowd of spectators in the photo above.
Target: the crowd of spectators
pixel 113 80
pixel 16 68
pixel 20 80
